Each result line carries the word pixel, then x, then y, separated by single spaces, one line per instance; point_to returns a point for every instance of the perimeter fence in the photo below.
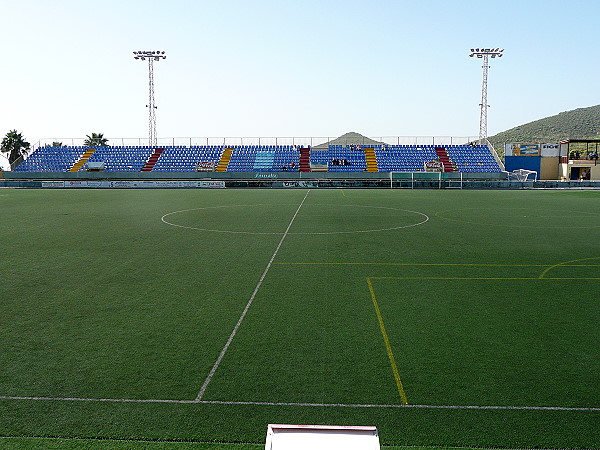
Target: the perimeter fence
pixel 314 141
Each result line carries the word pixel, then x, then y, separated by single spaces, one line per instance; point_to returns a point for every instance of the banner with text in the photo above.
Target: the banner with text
pixel 525 149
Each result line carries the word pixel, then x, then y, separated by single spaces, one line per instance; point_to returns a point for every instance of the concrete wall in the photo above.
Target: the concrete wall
pixel 256 176
pixel 549 169
pixel 523 162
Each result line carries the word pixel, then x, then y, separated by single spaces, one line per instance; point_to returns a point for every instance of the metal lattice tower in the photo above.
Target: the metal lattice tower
pixel 151 57
pixel 484 53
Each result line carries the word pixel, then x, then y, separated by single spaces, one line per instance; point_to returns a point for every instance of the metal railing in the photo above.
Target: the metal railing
pixel 495 154
pixel 262 140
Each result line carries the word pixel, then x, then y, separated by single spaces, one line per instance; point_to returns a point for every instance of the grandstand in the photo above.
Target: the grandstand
pixel 263 158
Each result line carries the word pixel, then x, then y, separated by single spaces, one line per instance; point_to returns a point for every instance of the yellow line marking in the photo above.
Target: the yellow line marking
pixel 388 346
pixel 343 193
pixel 570 278
pixel 455 278
pixel 382 325
pixel 484 278
pixel 416 264
pixel 566 264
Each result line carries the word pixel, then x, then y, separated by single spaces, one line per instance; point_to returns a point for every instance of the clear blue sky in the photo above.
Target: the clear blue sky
pixel 292 68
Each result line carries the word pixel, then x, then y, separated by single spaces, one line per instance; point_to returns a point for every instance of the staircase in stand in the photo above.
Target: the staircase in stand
pixel 81 161
pixel 371 160
pixel 449 166
pixel 152 160
pixel 304 160
pixel 224 161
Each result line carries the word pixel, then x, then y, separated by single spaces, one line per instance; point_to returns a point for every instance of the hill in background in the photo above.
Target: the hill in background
pixel 351 138
pixel 581 123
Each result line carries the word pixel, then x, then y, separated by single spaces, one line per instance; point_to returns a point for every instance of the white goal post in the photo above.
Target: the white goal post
pixel 522 175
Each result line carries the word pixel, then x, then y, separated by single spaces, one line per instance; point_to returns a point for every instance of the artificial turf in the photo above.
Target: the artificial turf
pixel 58 443
pixel 489 298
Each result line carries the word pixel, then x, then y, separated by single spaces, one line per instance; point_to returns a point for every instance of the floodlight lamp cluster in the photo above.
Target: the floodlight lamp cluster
pixel 150 55
pixel 480 52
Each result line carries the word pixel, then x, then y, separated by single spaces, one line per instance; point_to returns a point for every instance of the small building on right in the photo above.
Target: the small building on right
pixel 572 159
pixel 579 159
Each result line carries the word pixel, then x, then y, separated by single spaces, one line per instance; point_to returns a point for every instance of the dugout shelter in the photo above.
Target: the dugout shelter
pixel 579 159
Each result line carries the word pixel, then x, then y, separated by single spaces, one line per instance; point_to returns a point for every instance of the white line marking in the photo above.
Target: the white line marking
pixel 426 218
pixel 239 322
pixel 402 405
pixel 84 399
pixel 301 404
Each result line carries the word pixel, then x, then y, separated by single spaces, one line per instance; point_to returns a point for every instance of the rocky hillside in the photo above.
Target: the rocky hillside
pixel 581 123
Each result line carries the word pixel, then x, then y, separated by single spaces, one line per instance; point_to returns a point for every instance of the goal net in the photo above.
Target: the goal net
pixel 522 175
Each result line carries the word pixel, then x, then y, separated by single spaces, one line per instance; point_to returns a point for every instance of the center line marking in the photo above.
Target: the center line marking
pixel 239 322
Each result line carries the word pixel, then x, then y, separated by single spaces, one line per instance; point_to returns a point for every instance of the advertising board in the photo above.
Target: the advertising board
pixel 529 149
pixel 550 150
pixel 122 184
pixel 205 166
pixel 433 166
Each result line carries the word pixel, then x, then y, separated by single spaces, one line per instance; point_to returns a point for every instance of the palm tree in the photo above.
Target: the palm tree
pixel 95 140
pixel 14 145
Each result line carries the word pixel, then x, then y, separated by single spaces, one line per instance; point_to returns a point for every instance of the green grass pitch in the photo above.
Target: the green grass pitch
pixel 445 318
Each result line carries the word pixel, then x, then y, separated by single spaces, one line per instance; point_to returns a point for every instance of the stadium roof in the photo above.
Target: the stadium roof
pixel 581 141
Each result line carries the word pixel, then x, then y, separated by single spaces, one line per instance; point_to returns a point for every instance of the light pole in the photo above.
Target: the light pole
pixel 151 57
pixel 484 53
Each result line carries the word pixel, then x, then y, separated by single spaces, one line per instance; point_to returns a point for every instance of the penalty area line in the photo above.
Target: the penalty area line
pixel 301 404
pixel 239 322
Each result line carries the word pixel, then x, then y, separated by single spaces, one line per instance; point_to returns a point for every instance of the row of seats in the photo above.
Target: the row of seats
pixel 259 158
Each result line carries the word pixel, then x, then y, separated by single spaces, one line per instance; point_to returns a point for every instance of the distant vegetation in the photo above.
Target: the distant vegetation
pixel 96 139
pixel 14 146
pixel 581 123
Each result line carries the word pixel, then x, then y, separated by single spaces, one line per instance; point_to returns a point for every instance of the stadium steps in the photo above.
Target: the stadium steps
pixel 449 166
pixel 371 160
pixel 224 161
pixel 152 160
pixel 81 161
pixel 305 160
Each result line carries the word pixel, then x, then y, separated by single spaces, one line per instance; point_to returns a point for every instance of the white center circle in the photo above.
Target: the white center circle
pixel 414 218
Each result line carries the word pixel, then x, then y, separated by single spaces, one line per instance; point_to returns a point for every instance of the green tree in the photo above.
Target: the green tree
pixel 95 140
pixel 14 145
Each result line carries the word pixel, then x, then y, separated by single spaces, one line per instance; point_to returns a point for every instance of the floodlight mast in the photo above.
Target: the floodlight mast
pixel 484 53
pixel 151 57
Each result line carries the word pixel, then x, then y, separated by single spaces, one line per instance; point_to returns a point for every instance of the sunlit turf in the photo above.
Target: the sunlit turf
pixel 58 443
pixel 489 298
